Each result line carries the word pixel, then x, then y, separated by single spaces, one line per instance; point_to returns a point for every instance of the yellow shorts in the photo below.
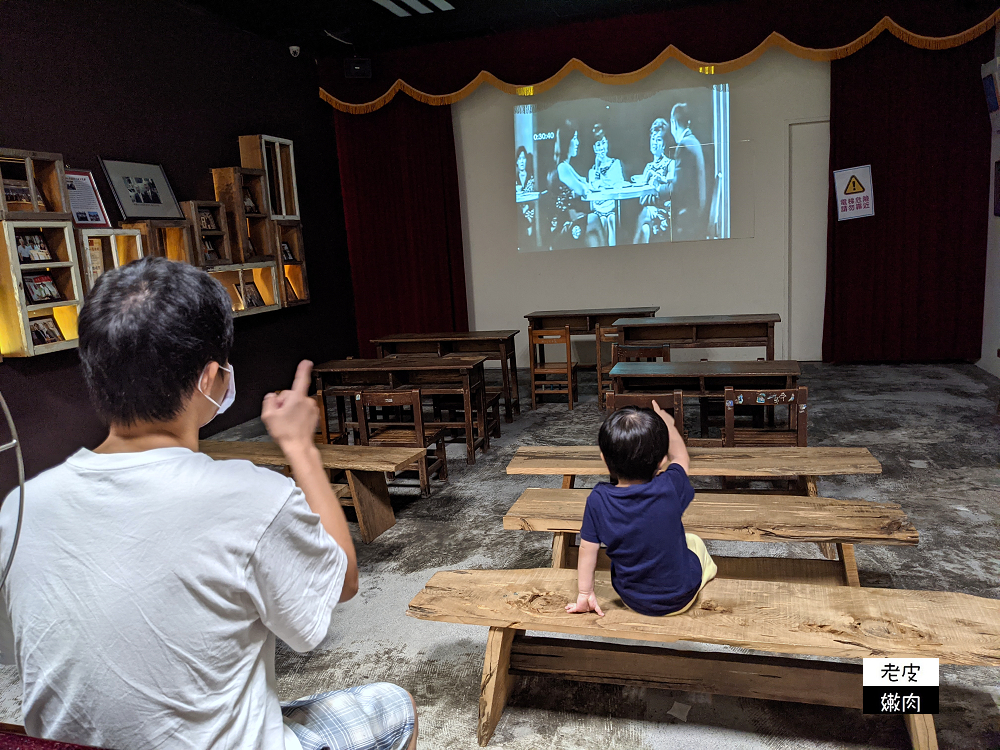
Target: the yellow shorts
pixel 708 568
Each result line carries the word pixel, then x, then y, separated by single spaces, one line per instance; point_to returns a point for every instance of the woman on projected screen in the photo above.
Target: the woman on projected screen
pixel 570 216
pixel 524 182
pixel 654 219
pixel 605 174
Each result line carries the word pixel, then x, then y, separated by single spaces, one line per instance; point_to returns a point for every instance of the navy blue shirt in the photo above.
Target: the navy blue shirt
pixel 652 568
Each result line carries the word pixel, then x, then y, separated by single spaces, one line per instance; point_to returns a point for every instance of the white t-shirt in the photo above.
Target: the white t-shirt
pixel 146 592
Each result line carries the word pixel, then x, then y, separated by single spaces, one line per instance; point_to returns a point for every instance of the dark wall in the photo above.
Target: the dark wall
pixel 163 82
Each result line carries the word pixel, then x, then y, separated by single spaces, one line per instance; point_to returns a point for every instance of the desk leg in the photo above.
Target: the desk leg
pixel 846 554
pixel 470 435
pixel 505 374
pixel 568 481
pixel 827 549
pixel 517 394
pixel 922 733
pixel 561 542
pixel 371 503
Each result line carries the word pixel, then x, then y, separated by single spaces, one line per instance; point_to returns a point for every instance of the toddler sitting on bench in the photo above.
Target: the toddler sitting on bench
pixel 656 568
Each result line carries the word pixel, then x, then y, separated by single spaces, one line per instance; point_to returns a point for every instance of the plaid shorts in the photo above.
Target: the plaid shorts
pixel 379 716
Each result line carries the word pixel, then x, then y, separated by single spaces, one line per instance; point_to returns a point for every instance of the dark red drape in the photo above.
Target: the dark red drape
pixel 712 33
pixel 404 229
pixel 907 284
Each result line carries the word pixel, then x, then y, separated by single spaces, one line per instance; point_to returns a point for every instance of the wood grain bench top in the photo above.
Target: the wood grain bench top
pixel 738 517
pixel 348 457
pixel 782 618
pixel 706 462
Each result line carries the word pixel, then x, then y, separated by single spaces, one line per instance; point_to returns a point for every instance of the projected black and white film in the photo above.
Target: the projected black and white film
pixel 595 173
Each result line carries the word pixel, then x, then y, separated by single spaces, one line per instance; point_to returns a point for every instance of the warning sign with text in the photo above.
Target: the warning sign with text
pixel 854 192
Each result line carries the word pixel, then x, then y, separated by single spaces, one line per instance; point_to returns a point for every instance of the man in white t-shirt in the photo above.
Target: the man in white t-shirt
pixel 149 581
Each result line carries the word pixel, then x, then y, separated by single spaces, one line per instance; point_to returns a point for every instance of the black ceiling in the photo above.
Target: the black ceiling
pixel 371 28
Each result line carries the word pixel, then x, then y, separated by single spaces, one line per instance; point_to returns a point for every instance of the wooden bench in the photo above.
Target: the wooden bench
pixel 574 460
pixel 781 618
pixel 742 517
pixel 365 467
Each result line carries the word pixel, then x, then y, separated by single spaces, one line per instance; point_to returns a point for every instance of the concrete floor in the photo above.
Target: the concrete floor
pixel 930 426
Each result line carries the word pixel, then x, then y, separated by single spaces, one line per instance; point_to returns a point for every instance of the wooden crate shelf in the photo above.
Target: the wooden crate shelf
pixel 291 257
pixel 104 249
pixel 210 233
pixel 240 279
pixel 29 327
pixel 243 191
pixel 165 238
pixel 276 157
pixel 32 186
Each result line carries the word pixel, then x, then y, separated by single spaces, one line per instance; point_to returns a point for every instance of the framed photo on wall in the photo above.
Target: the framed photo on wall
pixel 141 190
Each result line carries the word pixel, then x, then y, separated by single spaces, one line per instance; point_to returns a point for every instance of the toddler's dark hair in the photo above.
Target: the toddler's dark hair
pixel 634 442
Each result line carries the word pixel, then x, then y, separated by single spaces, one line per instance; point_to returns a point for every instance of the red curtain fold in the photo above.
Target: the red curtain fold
pixel 908 283
pixel 713 34
pixel 399 178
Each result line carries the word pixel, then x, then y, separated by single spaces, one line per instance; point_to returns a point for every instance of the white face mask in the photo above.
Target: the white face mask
pixel 228 399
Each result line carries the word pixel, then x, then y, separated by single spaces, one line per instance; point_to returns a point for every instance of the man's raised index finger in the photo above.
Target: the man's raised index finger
pixel 303 376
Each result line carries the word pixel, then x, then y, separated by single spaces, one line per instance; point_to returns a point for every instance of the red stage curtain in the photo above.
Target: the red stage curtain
pixel 907 284
pixel 403 216
pixel 717 35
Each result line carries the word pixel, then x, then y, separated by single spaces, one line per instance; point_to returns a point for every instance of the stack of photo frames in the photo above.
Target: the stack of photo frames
pixel 31 248
pixel 251 295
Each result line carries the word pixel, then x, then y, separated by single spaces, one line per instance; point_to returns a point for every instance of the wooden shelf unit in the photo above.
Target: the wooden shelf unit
pixel 236 277
pixel 43 177
pixel 216 234
pixel 276 156
pixel 165 238
pixel 16 313
pixel 117 247
pixel 288 236
pixel 251 233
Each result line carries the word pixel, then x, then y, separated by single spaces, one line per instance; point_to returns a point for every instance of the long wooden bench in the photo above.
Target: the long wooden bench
pixel 743 518
pixel 364 465
pixel 571 461
pixel 775 617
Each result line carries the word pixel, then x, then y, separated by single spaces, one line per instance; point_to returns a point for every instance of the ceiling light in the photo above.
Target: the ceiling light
pixel 389 5
pixel 418 6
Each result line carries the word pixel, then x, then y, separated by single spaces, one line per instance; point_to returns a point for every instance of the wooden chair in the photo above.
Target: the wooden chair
pixel 606 335
pixel 793 433
pixel 671 402
pixel 403 434
pixel 563 374
pixel 638 352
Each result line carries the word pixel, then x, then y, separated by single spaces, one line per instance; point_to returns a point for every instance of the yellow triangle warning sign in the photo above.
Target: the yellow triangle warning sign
pixel 854 186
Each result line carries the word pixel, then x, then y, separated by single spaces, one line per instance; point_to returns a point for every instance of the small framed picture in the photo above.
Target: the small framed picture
pixel 18 195
pixel 31 248
pixel 251 295
pixel 206 219
pixel 249 205
pixel 44 330
pixel 286 253
pixel 141 190
pixel 210 252
pixel 290 294
pixel 40 288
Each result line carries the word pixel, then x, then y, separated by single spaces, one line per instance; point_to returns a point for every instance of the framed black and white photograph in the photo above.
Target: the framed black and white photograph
pixel 251 295
pixel 286 253
pixel 141 190
pixel 249 206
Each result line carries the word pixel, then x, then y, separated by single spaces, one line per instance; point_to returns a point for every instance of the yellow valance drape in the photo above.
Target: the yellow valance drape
pixel 670 53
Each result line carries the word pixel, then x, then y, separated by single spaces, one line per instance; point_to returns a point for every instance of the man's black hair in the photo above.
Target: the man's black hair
pixel 147 330
pixel 634 442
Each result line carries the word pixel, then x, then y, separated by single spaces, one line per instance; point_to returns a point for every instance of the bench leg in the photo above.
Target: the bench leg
pixel 371 503
pixel 921 729
pixel 846 554
pixel 561 542
pixel 568 481
pixel 494 690
pixel 807 484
